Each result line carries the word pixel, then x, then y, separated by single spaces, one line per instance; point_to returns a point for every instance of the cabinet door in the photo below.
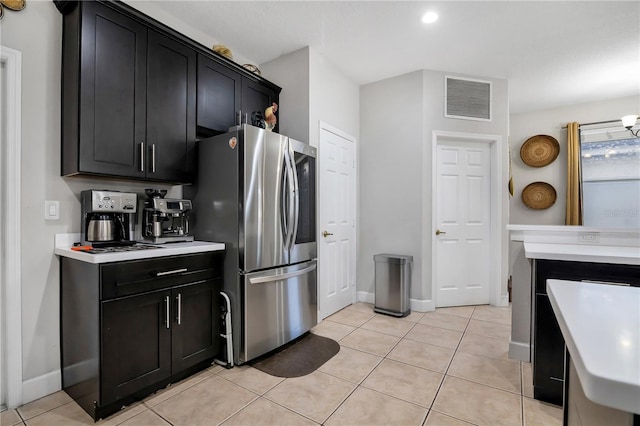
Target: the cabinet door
pixel 548 357
pixel 196 323
pixel 219 91
pixel 256 97
pixel 136 344
pixel 112 92
pixel 171 109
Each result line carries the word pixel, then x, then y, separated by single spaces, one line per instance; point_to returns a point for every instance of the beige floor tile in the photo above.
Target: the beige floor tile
pixel 332 330
pixel 251 378
pixel 350 364
pixel 146 418
pixel 370 341
pixel 527 380
pixel 450 322
pixel 69 414
pixel 459 311
pixel 361 307
pixel 315 395
pixel 485 345
pixel 175 388
pixel 267 413
pixel 208 402
pixel 368 407
pixel 538 413
pixel 438 419
pixel 490 329
pixel 123 415
pixel 413 317
pixel 388 325
pixel 434 336
pixel 493 314
pixel 498 373
pixel 10 418
pixel 350 317
pixel 45 404
pixel 431 357
pixel 406 382
pixel 478 404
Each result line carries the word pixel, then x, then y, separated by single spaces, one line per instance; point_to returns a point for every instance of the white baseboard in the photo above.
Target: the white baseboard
pixel 415 304
pixel 504 300
pixel 40 386
pixel 520 351
pixel 366 297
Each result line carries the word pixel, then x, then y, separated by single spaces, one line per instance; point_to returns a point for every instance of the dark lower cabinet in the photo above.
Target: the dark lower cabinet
pixel 130 328
pixel 136 344
pixel 548 343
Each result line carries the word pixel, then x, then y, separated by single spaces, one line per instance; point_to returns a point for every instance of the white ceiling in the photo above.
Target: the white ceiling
pixel 553 53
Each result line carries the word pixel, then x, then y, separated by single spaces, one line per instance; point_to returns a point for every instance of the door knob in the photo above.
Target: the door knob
pixel 326 234
pixel 438 232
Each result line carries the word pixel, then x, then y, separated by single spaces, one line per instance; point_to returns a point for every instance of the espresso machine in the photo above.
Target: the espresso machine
pixel 108 218
pixel 164 220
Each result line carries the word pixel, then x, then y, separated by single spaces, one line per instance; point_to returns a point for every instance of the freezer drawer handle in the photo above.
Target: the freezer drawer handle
pixel 175 271
pixel 260 280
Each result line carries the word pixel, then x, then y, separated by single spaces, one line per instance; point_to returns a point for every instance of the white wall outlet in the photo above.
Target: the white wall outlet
pixel 51 210
pixel 589 237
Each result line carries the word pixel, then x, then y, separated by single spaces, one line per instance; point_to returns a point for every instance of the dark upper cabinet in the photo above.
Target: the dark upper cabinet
pixel 219 91
pixel 103 98
pixel 135 94
pixel 226 97
pixel 256 97
pixel 129 98
pixel 171 109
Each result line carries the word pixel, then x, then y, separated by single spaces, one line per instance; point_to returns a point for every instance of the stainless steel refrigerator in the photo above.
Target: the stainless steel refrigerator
pixel 256 192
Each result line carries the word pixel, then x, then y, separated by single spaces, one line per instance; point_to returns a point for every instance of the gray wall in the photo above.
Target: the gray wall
pixel 550 122
pixel 398 116
pixel 390 176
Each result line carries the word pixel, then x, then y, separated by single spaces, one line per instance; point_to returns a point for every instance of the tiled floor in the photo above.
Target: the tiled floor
pixel 448 367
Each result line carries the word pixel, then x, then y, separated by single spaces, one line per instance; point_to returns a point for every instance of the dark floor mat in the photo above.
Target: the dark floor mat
pixel 298 358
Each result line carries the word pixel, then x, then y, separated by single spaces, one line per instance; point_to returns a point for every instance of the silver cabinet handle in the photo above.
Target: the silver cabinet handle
pixel 179 318
pixel 166 306
pixel 153 158
pixel 175 271
pixel 142 156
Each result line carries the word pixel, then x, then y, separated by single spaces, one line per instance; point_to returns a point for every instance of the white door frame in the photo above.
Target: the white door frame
pixel 497 225
pixel 10 205
pixel 327 127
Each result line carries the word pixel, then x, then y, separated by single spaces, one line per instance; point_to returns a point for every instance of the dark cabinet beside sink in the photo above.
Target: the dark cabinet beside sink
pixel 548 343
pixel 135 94
pixel 130 328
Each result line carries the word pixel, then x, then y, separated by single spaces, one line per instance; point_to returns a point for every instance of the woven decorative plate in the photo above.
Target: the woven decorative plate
pixel 538 195
pixel 539 150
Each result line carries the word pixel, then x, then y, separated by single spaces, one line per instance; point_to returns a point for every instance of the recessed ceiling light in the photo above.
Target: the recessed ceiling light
pixel 429 17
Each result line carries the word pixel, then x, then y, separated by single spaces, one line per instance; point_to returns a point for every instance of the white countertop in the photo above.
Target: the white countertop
pixel 63 243
pixel 583 253
pixel 601 328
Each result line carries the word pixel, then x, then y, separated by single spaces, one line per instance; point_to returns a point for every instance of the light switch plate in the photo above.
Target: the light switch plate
pixel 51 210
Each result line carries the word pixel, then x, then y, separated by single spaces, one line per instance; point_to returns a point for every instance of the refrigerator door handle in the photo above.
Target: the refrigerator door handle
pixel 278 277
pixel 296 197
pixel 291 204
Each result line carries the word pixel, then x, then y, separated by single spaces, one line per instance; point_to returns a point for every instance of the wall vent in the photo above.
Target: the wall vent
pixel 467 98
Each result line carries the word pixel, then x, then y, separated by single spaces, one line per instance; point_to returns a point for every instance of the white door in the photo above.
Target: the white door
pixel 462 255
pixel 336 220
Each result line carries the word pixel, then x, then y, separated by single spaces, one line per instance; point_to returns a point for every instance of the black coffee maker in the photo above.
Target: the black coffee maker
pixel 108 218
